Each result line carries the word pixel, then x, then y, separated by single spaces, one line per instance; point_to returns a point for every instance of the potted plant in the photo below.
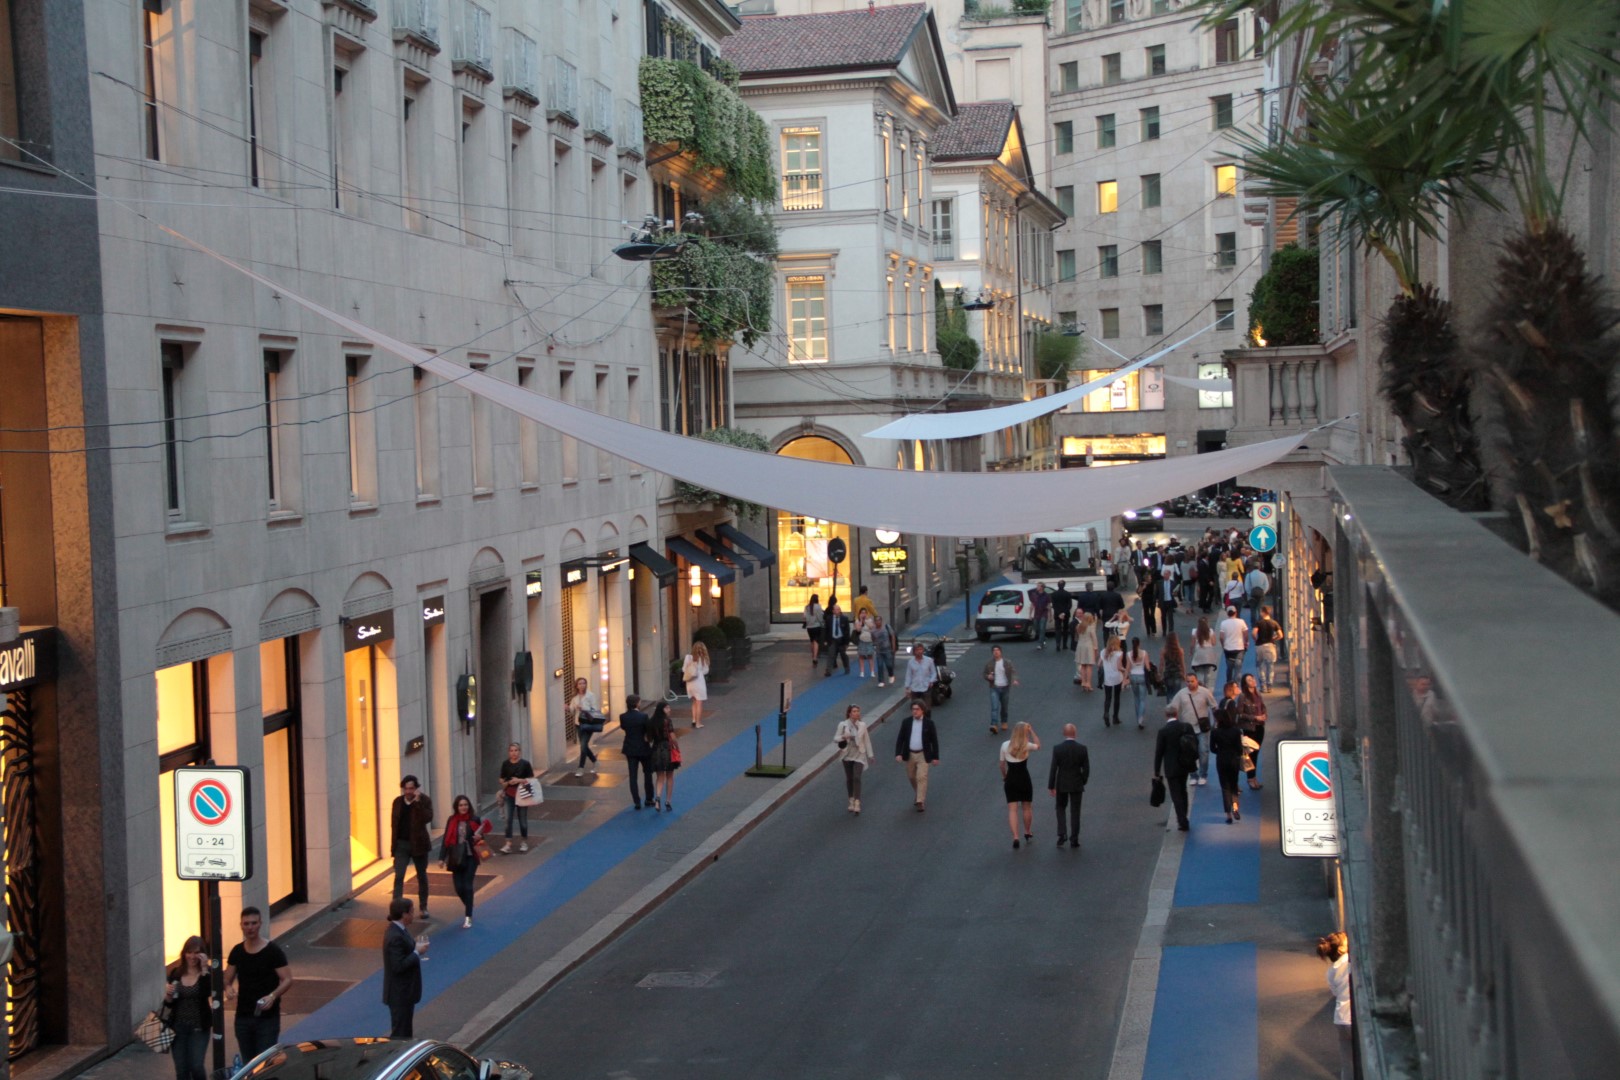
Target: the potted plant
pixel 741 645
pixel 714 639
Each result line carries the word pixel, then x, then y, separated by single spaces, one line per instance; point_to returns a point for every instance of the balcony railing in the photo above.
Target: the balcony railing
pixel 418 19
pixel 631 137
pixel 472 38
pixel 1474 794
pixel 599 117
pixel 562 91
pixel 520 65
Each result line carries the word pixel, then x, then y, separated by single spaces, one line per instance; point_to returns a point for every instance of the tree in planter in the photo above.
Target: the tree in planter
pixel 714 639
pixel 726 436
pixel 1283 307
pixel 957 349
pixel 738 641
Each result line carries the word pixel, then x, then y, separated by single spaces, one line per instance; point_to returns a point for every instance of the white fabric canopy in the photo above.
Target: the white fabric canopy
pixel 929 503
pixel 1211 385
pixel 961 425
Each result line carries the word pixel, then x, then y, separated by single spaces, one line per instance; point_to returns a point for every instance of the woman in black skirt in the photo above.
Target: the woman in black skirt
pixel 666 756
pixel 1015 780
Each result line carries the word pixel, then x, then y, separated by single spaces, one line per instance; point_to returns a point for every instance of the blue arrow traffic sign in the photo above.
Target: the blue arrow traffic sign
pixel 1262 538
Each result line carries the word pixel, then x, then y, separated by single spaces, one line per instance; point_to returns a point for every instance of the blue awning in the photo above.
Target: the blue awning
pixel 762 554
pixel 720 551
pixel 698 557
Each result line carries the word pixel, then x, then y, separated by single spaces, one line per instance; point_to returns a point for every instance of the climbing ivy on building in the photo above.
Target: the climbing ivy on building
pixel 684 105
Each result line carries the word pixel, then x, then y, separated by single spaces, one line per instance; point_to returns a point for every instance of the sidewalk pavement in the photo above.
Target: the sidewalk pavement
pixel 594 866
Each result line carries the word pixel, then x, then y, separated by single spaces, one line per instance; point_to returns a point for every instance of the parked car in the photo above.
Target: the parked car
pixel 1007 609
pixel 375 1059
pixel 1144 519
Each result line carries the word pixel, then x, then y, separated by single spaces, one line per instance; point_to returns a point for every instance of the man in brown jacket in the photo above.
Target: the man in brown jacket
pixel 410 820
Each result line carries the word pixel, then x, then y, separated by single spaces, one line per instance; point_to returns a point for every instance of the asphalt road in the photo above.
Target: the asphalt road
pixel 895 944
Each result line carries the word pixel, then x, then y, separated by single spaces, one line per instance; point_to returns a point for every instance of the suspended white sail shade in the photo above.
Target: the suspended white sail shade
pixel 930 503
pixel 961 425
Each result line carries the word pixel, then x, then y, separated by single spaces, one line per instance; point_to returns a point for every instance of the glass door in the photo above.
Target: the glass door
pixel 365 826
pixel 283 773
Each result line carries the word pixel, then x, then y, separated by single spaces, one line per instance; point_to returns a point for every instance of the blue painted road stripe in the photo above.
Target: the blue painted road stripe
pixel 1206 1014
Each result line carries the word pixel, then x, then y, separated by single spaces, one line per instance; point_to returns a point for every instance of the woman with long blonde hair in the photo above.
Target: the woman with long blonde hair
pixel 1115 669
pixel 696 673
pixel 1085 649
pixel 1016 782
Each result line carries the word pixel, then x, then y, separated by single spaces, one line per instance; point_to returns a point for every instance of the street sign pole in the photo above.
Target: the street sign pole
pixel 216 966
pixel 213 842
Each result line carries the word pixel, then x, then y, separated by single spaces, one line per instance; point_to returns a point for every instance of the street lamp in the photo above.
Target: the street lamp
pixel 644 245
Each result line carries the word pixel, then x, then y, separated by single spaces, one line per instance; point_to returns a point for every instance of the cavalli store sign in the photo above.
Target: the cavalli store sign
pixel 28 660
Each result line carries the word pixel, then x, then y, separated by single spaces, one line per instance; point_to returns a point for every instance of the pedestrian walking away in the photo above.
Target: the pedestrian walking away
pixel 1172 666
pixel 1085 649
pixel 1041 601
pixel 637 751
pixel 514 770
pixel 402 968
pixel 1251 709
pixel 812 627
pixel 589 719
pixel 1062 616
pixel 835 630
pixel 884 645
pixel 410 837
pixel 663 739
pixel 920 674
pixel 458 852
pixel 1234 635
pixel 1256 583
pixel 855 751
pixel 1016 783
pixel 1066 782
pixel 1002 677
pixel 1195 706
pixel 916 746
pixel 257 977
pixel 1137 664
pixel 1206 652
pixel 1175 755
pixel 1226 742
pixel 190 1005
pixel 1268 634
pixel 1115 669
pixel 1334 949
pixel 695 670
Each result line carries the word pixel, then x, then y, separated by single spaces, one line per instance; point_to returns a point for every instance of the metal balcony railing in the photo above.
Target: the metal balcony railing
pixel 520 64
pixel 418 18
pixel 562 90
pixel 472 38
pixel 1474 792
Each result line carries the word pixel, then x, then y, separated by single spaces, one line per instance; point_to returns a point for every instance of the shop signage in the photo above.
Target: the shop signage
pixel 893 559
pixel 533 584
pixel 363 630
pixel 433 611
pixel 29 659
pixel 574 572
pixel 213 830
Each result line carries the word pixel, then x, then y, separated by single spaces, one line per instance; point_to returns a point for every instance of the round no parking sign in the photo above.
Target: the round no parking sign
pixel 1310 818
pixel 213 833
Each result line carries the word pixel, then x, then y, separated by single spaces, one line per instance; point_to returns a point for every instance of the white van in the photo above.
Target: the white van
pixel 1062 552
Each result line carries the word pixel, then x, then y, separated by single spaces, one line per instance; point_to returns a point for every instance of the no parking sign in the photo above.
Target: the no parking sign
pixel 1310 820
pixel 213 832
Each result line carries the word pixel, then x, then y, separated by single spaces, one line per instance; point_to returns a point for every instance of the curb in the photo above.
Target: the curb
pixel 501 1011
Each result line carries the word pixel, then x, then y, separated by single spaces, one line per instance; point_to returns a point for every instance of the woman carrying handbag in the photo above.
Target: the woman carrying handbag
pixel 855 746
pixel 462 849
pixel 188 1002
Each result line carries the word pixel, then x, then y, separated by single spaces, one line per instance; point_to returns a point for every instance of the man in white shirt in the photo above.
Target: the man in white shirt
pixel 1234 635
pixel 916 746
pixel 1002 677
pixel 1195 705
pixel 920 674
pixel 1255 586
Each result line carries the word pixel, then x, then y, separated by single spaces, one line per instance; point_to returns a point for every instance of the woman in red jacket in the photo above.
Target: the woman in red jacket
pixel 459 850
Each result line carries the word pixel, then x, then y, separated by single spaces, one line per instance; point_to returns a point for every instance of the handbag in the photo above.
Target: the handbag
pixel 482 850
pixel 155 1030
pixel 1156 796
pixel 529 793
pixel 674 752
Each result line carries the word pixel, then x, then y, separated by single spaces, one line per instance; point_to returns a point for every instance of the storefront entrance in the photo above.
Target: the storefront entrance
pixel 371 709
pixel 283 773
pixel 802 566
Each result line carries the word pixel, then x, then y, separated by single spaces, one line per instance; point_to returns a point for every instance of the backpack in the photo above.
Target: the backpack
pixel 1257 594
pixel 1187 748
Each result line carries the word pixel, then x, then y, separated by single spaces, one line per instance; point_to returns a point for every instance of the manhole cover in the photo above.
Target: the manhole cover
pixel 679 980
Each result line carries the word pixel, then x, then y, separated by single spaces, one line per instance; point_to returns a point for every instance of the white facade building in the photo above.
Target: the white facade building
pixel 1160 242
pixel 314 543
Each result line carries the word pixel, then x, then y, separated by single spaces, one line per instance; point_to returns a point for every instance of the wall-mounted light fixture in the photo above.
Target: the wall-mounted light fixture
pixel 714 586
pixel 694 577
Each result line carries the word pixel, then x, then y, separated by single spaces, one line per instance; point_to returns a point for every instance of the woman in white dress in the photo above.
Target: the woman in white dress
pixel 1085 649
pixel 696 673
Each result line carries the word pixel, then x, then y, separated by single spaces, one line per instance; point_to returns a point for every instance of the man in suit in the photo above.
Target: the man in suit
pixel 835 637
pixel 1170 765
pixel 917 748
pixel 1071 769
pixel 637 751
pixel 402 968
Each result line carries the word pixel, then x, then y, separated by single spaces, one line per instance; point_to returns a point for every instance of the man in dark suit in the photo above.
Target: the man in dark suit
pixel 1170 764
pixel 1071 769
pixel 402 968
pixel 637 751
pixel 917 747
pixel 835 637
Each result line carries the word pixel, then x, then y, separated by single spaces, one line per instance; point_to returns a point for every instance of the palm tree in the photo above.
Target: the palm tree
pixel 1389 168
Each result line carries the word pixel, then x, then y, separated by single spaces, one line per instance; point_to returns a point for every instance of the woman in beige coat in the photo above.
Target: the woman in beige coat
pixel 1085 649
pixel 855 746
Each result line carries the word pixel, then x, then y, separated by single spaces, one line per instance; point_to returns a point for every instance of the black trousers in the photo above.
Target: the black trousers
pixel 1063 623
pixel 402 859
pixel 1177 783
pixel 1150 609
pixel 1111 696
pixel 465 879
pixel 400 1017
pixel 1069 802
pixel 837 652
pixel 642 765
pixel 1167 616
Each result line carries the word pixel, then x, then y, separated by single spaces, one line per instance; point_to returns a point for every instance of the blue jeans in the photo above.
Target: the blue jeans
pixel 256 1034
pixel 1234 666
pixel 885 665
pixel 520 813
pixel 1139 695
pixel 1265 663
pixel 1202 772
pixel 190 1052
pixel 1000 704
pixel 1040 631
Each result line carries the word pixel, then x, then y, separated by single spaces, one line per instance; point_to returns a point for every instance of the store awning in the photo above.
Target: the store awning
pixel 721 551
pixel 698 557
pixel 762 554
pixel 661 568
